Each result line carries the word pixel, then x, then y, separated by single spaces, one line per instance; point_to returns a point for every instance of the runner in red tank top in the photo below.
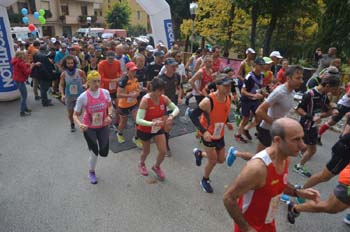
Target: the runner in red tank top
pixel 252 199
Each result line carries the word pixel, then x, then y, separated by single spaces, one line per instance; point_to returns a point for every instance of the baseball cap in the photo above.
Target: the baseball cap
pixel 149 48
pixel 131 66
pixel 276 54
pixel 110 54
pixel 267 60
pixel 170 61
pixel 227 69
pixel 251 50
pixel 223 79
pixel 159 53
pixel 53 40
pixel 259 61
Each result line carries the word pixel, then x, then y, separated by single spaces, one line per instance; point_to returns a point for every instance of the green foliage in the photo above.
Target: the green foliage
pixel 119 16
pixel 136 30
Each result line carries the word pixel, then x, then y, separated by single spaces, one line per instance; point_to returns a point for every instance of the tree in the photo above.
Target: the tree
pixel 137 30
pixel 118 17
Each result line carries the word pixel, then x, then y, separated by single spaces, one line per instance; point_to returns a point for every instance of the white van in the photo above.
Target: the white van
pixel 23 33
pixel 89 32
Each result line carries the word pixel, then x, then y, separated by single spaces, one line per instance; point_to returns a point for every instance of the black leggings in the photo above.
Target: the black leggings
pixel 100 136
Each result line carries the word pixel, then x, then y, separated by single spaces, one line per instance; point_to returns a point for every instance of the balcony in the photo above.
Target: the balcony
pixel 67 19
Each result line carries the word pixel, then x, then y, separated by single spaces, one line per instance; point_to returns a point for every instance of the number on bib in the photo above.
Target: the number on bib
pixel 73 89
pixel 218 127
pixel 97 119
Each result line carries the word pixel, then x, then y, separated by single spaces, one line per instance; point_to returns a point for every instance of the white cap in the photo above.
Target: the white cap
pixel 251 50
pixel 149 48
pixel 53 40
pixel 276 54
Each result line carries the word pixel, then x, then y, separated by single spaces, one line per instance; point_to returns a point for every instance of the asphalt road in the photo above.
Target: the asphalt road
pixel 44 185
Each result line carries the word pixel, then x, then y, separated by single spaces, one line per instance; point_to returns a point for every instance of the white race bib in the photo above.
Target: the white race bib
pixel 218 127
pixel 273 209
pixel 112 85
pixel 73 89
pixel 155 129
pixel 97 119
pixel 130 99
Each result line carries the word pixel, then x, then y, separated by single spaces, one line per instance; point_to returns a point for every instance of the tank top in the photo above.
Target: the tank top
pixel 217 117
pixel 153 113
pixel 131 86
pixel 206 78
pixel 260 206
pixel 74 84
pixel 344 176
pixel 216 65
pixel 247 68
pixel 95 111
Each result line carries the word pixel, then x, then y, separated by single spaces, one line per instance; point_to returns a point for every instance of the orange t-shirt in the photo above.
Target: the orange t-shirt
pixel 109 72
pixel 344 176
pixel 30 53
pixel 268 75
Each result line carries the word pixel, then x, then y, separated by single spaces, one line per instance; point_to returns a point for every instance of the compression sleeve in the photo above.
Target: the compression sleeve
pixel 175 110
pixel 140 118
pixel 194 115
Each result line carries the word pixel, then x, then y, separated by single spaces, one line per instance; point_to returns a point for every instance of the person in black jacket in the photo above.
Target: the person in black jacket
pixel 44 73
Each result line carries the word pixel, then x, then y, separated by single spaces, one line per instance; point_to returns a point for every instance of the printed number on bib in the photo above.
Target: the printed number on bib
pixel 155 129
pixel 73 89
pixel 112 85
pixel 97 119
pixel 273 209
pixel 218 127
pixel 130 99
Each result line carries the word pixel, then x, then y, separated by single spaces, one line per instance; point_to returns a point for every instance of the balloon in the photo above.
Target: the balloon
pixel 42 12
pixel 41 18
pixel 42 21
pixel 31 27
pixel 24 11
pixel 25 20
pixel 36 15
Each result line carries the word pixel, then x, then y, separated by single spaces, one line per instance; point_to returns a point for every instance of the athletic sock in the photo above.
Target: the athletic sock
pixel 323 129
pixel 92 161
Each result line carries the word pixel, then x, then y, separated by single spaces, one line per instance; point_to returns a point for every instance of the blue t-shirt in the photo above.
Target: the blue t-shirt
pixel 59 56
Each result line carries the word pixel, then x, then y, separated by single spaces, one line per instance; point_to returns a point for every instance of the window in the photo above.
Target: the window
pixel 138 15
pixel 64 9
pixel 21 5
pixel 84 10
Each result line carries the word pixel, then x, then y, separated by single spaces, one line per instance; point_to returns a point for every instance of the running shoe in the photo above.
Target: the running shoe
pixel 198 155
pixel 205 184
pixel 143 170
pixel 72 127
pixel 37 98
pixel 291 215
pixel 247 134
pixel 285 198
pixel 23 114
pixel 231 157
pixel 28 110
pixel 121 138
pixel 319 142
pixel 347 219
pixel 92 177
pixel 137 142
pixel 301 170
pixel 159 172
pixel 239 138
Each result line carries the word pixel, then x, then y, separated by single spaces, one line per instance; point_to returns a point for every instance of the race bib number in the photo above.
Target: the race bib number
pixel 218 127
pixel 155 129
pixel 273 209
pixel 97 119
pixel 130 99
pixel 73 89
pixel 112 85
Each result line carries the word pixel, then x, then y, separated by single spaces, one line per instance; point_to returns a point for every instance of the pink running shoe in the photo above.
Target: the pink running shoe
pixel 143 170
pixel 159 172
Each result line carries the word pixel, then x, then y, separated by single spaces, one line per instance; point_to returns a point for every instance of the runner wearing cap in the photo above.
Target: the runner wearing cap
pixel 110 72
pixel 128 91
pixel 210 118
pixel 151 122
pixel 149 58
pixel 154 67
pixel 251 98
pixel 97 106
pixel 246 66
pixel 71 86
pixel 268 75
pixel 276 58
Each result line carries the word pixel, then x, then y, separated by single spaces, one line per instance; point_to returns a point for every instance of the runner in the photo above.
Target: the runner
pixel 246 66
pixel 151 121
pixel 251 98
pixel 314 106
pixel 128 92
pixel 277 105
pixel 252 199
pixel 71 86
pixel 97 106
pixel 214 111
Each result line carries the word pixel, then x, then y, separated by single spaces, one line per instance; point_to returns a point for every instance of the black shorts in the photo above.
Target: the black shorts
pixel 127 111
pixel 264 136
pixel 113 95
pixel 310 136
pixel 144 136
pixel 217 144
pixel 97 140
pixel 341 193
pixel 249 106
pixel 340 158
pixel 342 111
